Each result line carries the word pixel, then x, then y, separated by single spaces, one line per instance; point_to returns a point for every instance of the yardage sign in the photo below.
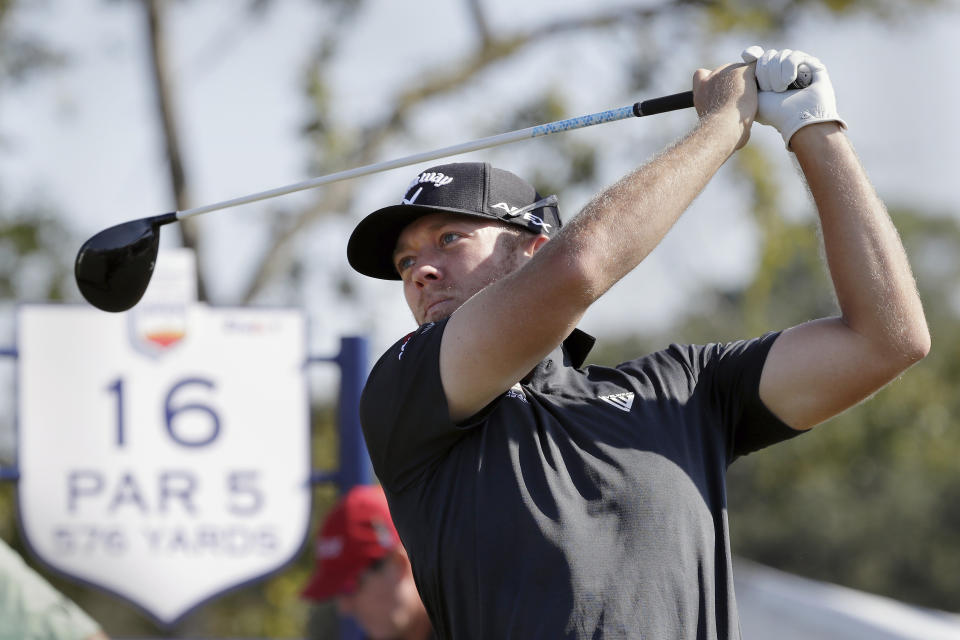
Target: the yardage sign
pixel 164 452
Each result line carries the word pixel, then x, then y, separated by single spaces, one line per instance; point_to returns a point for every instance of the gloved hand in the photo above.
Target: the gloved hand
pixel 789 110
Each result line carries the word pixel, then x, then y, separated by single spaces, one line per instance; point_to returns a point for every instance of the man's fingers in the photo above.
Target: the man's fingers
pixel 777 69
pixel 812 62
pixel 723 89
pixel 767 76
pixel 784 70
pixel 701 75
pixel 751 54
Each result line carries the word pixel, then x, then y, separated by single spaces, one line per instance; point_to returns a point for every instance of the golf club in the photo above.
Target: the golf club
pixel 113 268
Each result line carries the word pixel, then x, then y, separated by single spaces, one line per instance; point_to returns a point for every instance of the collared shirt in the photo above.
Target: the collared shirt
pixel 581 503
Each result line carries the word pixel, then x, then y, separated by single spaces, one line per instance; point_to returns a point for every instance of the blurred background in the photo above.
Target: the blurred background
pixel 112 110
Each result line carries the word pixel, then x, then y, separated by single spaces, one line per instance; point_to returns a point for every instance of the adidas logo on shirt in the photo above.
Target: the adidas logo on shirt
pixel 622 401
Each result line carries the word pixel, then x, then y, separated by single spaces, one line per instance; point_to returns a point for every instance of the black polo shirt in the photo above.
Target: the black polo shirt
pixel 582 503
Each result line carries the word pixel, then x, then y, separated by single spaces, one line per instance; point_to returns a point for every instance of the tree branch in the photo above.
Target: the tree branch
pixel 479 21
pixel 165 109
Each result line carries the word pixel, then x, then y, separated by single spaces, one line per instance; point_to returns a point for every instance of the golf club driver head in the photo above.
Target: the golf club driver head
pixel 113 268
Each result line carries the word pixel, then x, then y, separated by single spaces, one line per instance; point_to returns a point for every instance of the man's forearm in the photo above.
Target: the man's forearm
pixel 874 285
pixel 620 226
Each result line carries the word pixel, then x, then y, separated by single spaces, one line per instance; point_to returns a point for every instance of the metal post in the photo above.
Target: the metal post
pixel 354 460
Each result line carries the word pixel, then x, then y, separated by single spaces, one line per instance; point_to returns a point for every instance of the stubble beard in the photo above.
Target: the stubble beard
pixel 508 263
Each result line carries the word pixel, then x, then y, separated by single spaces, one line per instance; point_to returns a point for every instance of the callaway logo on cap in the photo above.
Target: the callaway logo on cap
pixel 465 188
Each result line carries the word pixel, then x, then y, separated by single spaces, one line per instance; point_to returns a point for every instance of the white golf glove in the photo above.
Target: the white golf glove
pixel 789 110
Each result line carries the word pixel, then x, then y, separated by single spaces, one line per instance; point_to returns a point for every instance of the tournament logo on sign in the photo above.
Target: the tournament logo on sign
pixel 156 330
pixel 165 480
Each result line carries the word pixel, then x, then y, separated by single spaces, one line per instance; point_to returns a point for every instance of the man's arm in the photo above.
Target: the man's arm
pixel 818 369
pixel 502 332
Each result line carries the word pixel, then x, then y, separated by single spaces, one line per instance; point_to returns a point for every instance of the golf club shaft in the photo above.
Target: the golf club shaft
pixel 644 108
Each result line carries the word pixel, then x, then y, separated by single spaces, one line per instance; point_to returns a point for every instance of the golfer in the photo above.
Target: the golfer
pixel 538 498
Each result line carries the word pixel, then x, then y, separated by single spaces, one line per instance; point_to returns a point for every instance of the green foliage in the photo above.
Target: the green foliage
pixel 33 256
pixel 870 499
pixel 21 54
pixel 761 16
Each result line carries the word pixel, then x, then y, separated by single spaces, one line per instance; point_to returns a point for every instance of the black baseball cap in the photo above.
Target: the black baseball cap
pixel 465 188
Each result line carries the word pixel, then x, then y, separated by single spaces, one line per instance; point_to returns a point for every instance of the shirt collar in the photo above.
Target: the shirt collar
pixel 577 346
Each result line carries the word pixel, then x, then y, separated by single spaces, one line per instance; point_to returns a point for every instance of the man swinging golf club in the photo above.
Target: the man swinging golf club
pixel 539 499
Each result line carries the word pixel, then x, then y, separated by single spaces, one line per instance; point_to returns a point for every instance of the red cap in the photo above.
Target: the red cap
pixel 357 532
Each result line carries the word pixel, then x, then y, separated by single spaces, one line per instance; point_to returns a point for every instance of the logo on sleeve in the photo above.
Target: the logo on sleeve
pixel 422 330
pixel 403 347
pixel 516 391
pixel 622 401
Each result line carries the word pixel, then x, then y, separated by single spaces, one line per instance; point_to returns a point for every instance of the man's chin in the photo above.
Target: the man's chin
pixel 435 317
pixel 440 311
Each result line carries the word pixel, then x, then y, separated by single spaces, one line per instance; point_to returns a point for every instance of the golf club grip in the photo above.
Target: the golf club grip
pixel 663 104
pixel 684 100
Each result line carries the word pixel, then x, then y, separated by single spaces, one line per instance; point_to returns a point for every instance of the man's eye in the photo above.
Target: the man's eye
pixel 448 237
pixel 404 263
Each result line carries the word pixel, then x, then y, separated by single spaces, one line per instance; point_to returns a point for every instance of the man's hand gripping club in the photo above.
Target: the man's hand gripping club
pixel 789 110
pixel 728 93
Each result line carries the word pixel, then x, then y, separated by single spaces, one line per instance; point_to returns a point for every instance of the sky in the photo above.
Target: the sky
pixel 85 140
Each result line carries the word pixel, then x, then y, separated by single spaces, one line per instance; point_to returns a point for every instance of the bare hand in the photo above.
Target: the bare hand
pixel 730 94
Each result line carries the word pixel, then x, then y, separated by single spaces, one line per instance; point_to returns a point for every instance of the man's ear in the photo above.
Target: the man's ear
pixel 535 243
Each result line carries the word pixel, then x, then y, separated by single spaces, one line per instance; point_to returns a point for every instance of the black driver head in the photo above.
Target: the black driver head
pixel 113 268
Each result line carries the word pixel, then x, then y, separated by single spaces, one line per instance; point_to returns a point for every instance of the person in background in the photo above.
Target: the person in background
pixel 31 609
pixel 363 568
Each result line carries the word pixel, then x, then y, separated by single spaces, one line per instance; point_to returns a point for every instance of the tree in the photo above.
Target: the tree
pixel 32 236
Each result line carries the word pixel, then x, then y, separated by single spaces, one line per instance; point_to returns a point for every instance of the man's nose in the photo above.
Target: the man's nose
pixel 426 271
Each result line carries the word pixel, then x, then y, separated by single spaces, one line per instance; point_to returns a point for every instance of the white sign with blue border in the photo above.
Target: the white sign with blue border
pixel 164 453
